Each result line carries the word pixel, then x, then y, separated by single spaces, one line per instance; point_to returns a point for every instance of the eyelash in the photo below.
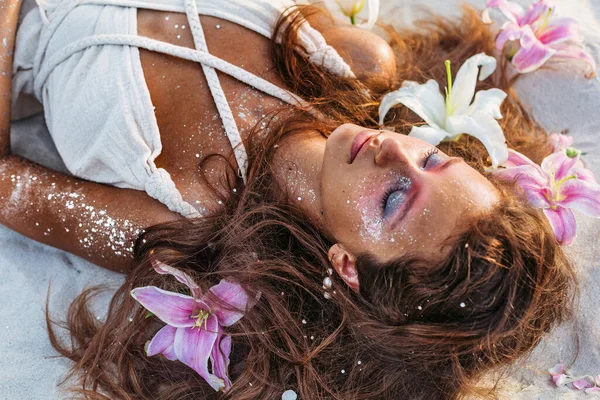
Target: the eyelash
pixel 431 152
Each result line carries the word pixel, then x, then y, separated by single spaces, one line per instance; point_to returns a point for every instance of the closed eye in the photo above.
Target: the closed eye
pixel 396 195
pixel 431 156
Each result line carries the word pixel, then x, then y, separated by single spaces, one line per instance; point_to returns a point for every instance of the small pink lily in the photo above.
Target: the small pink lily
pixel 536 35
pixel 561 141
pixel 194 333
pixel 560 184
pixel 587 383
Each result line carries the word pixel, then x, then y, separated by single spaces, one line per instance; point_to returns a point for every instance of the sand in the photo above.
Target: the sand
pixel 29 368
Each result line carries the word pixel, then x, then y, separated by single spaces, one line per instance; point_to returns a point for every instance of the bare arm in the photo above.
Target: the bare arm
pixel 94 221
pixel 9 15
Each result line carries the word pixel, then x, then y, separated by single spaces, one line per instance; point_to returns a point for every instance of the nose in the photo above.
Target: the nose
pixel 390 154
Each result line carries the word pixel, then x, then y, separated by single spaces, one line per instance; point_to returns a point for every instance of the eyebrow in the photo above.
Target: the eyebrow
pixel 408 206
pixel 449 163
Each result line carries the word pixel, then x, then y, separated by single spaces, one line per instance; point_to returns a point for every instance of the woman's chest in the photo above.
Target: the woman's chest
pixel 189 122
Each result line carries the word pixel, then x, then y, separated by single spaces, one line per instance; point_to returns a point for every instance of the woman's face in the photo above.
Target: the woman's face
pixel 387 194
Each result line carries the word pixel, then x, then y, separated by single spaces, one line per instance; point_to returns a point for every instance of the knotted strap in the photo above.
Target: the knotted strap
pixel 161 187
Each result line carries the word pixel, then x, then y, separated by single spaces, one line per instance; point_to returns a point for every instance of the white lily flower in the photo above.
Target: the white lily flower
pixel 351 8
pixel 447 118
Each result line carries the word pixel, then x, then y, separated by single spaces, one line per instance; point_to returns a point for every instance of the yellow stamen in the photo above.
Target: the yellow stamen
pixel 357 7
pixel 556 187
pixel 546 18
pixel 201 319
pixel 449 110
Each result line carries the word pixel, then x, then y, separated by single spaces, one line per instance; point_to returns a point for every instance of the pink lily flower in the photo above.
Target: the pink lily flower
pixel 194 332
pixel 559 185
pixel 561 141
pixel 536 35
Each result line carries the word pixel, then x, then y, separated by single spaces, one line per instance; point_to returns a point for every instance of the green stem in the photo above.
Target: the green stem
pixel 352 20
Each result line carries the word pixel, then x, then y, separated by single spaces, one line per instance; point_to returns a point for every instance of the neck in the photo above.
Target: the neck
pixel 297 167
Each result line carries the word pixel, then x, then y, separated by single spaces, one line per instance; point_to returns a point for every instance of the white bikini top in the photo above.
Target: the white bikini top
pixel 257 15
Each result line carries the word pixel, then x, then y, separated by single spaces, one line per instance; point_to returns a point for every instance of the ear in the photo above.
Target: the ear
pixel 344 264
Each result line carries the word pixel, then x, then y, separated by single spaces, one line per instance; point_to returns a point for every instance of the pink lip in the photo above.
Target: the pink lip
pixel 358 143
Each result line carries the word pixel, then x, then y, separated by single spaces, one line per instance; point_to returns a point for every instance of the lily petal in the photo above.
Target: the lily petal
pixel 560 141
pixel 485 128
pixel 429 134
pixel 512 11
pixel 219 358
pixel 582 384
pixel 232 302
pixel 193 347
pixel 563 224
pixel 488 101
pixel 485 17
pixel 350 7
pixel 582 196
pixel 532 54
pixel 466 79
pixel 584 174
pixel 510 32
pixel 561 380
pixel 516 159
pixel 424 100
pixel 559 165
pixel 559 30
pixel 557 369
pixel 172 308
pixel 534 184
pixel 182 277
pixel 162 343
pixel 536 11
pixel 573 51
pixel 373 9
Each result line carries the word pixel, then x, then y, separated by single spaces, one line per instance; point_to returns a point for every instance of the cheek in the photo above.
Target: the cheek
pixel 370 226
pixel 334 158
pixel 347 211
pixel 462 193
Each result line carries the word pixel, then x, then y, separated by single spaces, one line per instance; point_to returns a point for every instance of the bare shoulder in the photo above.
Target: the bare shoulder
pixel 190 127
pixel 369 55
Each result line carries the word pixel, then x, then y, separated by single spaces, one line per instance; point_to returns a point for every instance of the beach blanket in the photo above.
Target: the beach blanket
pixel 560 99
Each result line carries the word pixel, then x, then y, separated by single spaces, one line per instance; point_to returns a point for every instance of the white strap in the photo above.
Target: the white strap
pixel 177 51
pixel 161 187
pixel 209 64
pixel 231 129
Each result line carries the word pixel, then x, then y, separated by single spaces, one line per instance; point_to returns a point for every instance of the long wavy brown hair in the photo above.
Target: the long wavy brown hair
pixel 419 328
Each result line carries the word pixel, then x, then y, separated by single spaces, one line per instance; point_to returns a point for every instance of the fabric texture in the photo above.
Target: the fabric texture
pixel 80 60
